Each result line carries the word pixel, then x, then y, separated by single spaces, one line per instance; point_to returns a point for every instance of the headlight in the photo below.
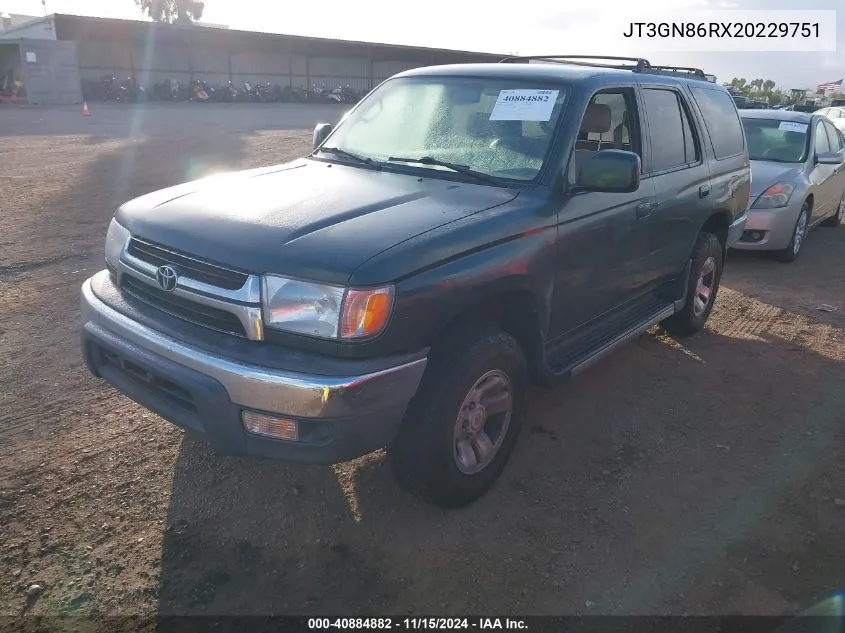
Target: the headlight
pixel 324 311
pixel 116 239
pixel 775 197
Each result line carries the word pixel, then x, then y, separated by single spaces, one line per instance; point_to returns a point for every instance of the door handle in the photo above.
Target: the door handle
pixel 644 210
pixel 703 191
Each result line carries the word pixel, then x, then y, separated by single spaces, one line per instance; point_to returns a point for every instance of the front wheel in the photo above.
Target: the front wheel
pixel 702 286
pixel 799 234
pixel 463 424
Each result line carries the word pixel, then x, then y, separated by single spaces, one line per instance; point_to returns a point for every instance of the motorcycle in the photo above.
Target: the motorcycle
pixel 300 95
pixel 109 89
pixel 287 95
pixel 170 90
pixel 198 91
pixel 132 92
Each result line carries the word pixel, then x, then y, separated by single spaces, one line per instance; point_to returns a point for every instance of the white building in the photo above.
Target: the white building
pixel 26 26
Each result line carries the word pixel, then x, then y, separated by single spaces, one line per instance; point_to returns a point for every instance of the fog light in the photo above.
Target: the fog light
pixel 752 236
pixel 270 426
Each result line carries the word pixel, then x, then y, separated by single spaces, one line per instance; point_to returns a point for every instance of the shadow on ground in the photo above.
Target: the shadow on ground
pixel 622 497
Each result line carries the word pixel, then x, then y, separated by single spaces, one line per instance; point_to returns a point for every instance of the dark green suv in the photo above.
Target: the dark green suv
pixel 462 231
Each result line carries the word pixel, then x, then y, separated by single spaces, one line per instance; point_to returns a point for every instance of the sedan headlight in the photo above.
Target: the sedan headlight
pixel 775 197
pixel 116 239
pixel 325 311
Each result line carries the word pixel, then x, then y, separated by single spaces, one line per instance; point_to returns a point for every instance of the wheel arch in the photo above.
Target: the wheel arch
pixel 718 224
pixel 810 200
pixel 512 305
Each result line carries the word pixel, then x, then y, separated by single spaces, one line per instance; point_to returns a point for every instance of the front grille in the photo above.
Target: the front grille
pixel 201 270
pixel 161 387
pixel 182 308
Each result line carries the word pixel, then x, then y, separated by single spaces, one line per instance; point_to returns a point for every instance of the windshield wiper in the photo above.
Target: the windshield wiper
pixel 461 169
pixel 342 152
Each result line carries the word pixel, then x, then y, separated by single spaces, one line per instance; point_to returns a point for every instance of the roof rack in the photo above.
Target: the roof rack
pixel 634 64
pixel 581 60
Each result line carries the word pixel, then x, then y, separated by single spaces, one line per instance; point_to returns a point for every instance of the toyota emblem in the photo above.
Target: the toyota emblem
pixel 166 278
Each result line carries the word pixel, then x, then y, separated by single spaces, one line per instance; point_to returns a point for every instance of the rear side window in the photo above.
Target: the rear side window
pixel 833 137
pixel 722 121
pixel 822 143
pixel 672 141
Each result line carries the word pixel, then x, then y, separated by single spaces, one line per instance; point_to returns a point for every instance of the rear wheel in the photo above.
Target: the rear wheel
pixel 836 219
pixel 799 234
pixel 703 284
pixel 463 424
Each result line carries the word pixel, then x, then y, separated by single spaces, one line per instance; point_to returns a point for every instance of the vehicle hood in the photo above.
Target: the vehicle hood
pixel 765 173
pixel 308 219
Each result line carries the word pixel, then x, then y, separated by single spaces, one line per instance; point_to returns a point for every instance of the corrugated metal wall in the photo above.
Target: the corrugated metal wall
pixel 50 72
pixel 153 55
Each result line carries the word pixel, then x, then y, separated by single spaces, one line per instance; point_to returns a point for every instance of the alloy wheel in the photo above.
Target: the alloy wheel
pixel 483 422
pixel 705 285
pixel 800 233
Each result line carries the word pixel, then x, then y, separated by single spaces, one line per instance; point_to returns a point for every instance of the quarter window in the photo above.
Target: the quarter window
pixel 722 121
pixel 673 143
pixel 822 144
pixel 833 137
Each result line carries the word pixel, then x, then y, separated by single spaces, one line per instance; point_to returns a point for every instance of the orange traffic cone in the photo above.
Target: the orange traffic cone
pixel 85 111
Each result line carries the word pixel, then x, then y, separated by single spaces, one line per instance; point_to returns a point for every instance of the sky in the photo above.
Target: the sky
pixel 527 27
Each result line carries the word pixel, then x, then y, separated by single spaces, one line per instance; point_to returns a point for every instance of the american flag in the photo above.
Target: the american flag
pixel 833 85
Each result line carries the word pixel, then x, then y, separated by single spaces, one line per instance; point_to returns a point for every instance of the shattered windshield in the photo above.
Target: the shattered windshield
pixel 492 128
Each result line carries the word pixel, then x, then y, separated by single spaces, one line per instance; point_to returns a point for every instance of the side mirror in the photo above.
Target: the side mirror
pixel 321 132
pixel 830 158
pixel 611 171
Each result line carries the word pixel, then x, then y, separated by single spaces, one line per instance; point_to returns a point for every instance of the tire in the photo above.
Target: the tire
pixel 836 219
pixel 708 259
pixel 799 236
pixel 428 457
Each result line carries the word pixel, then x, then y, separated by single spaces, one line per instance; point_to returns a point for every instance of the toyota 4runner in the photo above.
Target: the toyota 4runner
pixel 463 231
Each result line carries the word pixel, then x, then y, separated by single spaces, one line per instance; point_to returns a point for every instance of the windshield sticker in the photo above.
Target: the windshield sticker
pixel 792 126
pixel 524 105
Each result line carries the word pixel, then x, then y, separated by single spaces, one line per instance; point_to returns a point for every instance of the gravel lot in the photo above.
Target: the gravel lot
pixel 703 477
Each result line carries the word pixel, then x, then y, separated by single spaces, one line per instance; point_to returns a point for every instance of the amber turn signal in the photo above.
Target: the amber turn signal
pixel 365 312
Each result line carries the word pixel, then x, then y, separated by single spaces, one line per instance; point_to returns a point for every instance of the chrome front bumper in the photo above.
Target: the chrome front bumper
pixel 351 405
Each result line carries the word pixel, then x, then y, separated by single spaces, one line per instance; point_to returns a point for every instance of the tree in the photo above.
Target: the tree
pixel 768 85
pixel 738 83
pixel 757 84
pixel 171 11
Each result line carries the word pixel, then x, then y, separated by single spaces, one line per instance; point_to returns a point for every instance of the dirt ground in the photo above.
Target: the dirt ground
pixel 696 478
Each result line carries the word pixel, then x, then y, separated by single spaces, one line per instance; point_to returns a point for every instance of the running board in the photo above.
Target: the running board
pixel 628 335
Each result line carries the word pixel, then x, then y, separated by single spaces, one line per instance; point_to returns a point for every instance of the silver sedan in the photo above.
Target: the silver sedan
pixel 797 179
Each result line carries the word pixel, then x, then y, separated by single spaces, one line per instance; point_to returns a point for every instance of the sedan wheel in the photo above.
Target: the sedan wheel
pixel 799 234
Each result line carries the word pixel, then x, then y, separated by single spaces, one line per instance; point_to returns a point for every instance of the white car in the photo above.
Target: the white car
pixel 836 115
